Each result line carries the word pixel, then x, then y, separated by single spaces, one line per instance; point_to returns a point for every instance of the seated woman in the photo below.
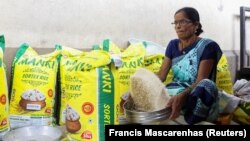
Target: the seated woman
pixel 193 61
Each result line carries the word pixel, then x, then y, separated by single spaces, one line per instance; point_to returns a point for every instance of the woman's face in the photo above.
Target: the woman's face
pixel 184 27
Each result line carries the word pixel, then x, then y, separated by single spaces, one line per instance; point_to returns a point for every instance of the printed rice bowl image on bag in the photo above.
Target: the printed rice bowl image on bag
pixel 32 100
pixel 72 120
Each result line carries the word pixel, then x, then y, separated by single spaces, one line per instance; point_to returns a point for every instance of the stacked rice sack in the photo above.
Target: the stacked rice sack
pixel 223 76
pixel 65 54
pixel 154 56
pixel 32 100
pixel 116 62
pixel 87 93
pixel 133 58
pixel 126 63
pixel 4 100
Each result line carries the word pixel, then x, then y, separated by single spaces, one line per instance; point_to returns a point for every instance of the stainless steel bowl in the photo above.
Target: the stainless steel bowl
pixel 34 133
pixel 138 117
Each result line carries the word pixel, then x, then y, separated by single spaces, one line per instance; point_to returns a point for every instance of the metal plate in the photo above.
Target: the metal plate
pixel 34 133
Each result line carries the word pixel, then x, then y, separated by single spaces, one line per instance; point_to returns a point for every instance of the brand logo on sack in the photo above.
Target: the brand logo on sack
pixel 37 62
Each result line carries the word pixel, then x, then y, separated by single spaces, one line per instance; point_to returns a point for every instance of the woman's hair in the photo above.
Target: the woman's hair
pixel 193 15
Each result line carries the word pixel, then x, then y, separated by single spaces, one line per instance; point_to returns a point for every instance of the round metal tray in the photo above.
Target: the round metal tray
pixel 139 117
pixel 34 133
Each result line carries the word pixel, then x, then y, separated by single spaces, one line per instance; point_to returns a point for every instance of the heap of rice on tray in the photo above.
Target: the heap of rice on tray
pixel 147 91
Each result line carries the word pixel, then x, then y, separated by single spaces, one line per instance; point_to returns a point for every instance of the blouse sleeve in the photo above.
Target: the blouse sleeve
pixel 211 51
pixel 170 49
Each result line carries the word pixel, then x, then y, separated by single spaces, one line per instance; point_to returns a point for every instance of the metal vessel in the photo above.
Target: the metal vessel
pixel 34 133
pixel 139 117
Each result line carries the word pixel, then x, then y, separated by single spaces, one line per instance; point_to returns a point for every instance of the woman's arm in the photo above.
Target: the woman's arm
pixel 164 69
pixel 176 102
pixel 204 71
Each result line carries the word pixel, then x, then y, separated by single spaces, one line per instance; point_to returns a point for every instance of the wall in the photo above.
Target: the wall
pixel 82 23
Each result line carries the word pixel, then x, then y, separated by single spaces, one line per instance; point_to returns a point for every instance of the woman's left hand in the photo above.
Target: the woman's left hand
pixel 176 103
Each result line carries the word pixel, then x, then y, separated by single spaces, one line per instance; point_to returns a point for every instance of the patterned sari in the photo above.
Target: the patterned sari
pixel 202 102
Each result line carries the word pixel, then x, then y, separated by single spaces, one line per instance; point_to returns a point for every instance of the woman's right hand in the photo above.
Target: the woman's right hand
pixel 176 103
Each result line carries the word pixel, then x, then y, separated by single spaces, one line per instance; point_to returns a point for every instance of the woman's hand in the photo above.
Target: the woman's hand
pixel 176 103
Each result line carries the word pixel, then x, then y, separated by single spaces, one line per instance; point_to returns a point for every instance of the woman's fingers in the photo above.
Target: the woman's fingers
pixel 170 102
pixel 173 108
pixel 174 105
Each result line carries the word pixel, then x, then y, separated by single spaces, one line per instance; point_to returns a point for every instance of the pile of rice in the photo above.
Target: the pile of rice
pixel 147 91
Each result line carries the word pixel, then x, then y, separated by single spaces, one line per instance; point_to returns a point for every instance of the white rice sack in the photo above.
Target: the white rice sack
pixel 147 91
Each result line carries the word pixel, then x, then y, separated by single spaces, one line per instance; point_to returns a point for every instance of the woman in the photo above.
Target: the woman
pixel 193 61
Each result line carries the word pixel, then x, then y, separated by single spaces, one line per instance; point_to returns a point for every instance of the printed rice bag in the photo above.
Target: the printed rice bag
pixel 4 98
pixel 65 54
pixel 223 76
pixel 32 100
pixel 133 58
pixel 87 97
pixel 116 62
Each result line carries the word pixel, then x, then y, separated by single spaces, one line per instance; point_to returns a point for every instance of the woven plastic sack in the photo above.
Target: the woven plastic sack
pixel 4 98
pixel 223 76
